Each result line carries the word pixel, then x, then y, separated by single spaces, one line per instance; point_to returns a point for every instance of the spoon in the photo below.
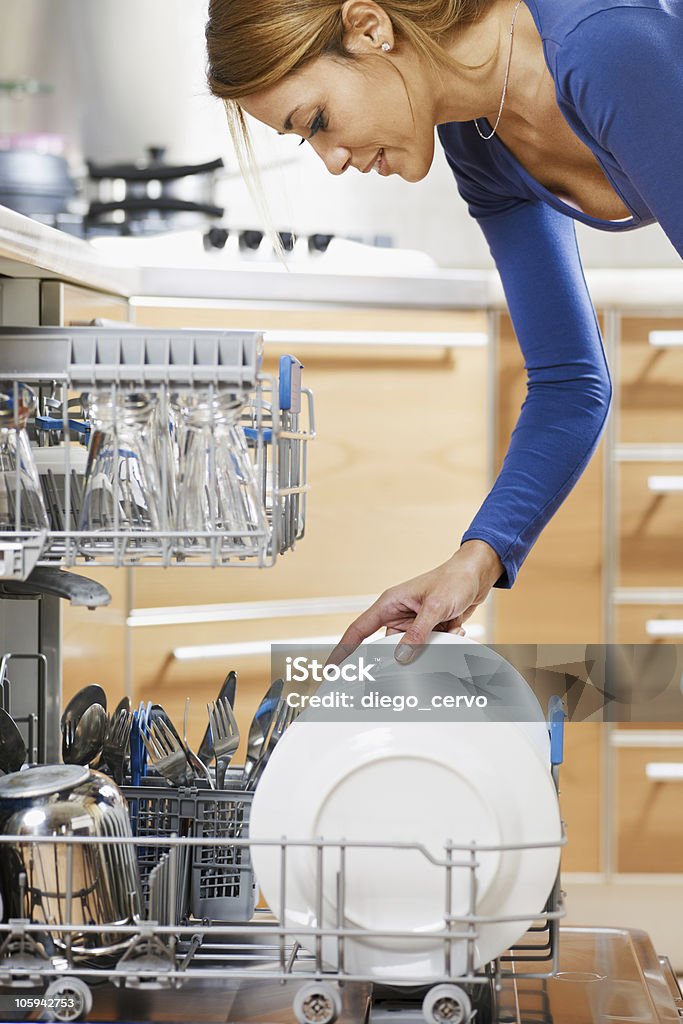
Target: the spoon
pixel 123 705
pixel 86 696
pixel 12 746
pixel 82 742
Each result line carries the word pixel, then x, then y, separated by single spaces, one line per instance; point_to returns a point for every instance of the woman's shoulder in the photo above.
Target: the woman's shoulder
pixel 558 20
pixel 599 49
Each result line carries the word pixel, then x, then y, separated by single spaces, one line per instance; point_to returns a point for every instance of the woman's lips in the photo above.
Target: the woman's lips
pixel 379 164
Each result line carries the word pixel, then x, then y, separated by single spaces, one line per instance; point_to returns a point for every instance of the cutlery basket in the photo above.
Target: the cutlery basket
pixel 214 883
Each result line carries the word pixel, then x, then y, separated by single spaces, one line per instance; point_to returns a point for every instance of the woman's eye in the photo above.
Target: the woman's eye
pixel 319 124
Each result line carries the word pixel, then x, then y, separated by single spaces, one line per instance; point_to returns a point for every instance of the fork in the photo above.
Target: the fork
pixel 116 744
pixel 166 753
pixel 225 736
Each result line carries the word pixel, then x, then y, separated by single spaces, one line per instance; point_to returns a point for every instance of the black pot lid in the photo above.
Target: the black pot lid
pixel 43 780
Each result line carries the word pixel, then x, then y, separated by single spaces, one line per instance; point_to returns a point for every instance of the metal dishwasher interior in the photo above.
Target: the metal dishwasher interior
pixel 607 976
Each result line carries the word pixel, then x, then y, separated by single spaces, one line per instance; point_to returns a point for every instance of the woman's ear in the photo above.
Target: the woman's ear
pixel 367 27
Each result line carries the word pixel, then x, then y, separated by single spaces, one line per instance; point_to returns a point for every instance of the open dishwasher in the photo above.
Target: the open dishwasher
pixel 193 944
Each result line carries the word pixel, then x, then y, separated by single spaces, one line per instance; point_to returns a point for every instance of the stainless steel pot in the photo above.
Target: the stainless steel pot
pixel 35 183
pixel 52 884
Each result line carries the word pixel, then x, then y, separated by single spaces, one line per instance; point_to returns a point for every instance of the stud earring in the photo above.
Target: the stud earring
pixel 386 47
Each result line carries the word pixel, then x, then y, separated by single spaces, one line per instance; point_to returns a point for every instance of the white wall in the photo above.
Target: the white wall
pixel 130 73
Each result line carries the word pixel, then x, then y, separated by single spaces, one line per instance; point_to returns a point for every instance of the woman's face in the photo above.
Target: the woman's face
pixel 366 115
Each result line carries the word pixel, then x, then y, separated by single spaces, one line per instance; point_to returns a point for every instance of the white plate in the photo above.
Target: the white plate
pixel 413 783
pixel 473 667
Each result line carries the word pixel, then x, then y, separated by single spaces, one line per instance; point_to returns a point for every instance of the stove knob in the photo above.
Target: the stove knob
pixel 215 238
pixel 251 240
pixel 287 240
pixel 319 243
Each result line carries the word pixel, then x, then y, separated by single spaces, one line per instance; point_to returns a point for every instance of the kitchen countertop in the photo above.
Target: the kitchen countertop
pixel 27 246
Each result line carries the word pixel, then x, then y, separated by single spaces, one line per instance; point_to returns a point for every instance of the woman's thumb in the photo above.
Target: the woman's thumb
pixel 417 634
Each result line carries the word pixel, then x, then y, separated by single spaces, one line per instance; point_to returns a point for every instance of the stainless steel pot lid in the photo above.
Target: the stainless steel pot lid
pixel 42 781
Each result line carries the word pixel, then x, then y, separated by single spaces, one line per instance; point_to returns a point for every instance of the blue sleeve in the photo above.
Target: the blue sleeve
pixel 569 389
pixel 622 71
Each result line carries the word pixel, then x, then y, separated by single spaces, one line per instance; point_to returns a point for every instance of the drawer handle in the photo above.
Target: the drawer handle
pixel 665 484
pixel 665 339
pixel 664 627
pixel 662 771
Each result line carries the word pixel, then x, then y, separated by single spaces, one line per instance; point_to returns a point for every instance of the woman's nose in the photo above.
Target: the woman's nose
pixel 336 158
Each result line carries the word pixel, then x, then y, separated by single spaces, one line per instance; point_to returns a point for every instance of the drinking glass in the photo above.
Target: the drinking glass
pixel 165 432
pixel 21 499
pixel 217 490
pixel 122 485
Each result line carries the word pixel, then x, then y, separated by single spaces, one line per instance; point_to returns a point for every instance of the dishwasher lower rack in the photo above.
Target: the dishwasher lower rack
pixel 166 951
pixel 62 364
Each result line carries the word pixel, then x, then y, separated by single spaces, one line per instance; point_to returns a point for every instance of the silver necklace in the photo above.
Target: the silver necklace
pixel 505 83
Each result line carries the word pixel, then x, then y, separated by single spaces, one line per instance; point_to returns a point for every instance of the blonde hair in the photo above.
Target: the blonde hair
pixel 254 44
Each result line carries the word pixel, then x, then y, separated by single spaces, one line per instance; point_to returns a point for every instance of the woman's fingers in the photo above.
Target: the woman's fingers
pixel 359 630
pixel 441 599
pixel 432 613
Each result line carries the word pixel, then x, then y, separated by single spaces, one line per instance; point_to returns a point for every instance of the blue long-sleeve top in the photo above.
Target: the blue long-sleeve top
pixel 617 66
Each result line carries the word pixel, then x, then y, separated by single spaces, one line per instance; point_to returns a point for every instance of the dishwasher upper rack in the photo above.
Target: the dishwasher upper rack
pixel 278 422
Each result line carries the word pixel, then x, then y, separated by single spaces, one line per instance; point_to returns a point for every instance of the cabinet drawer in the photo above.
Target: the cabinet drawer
pixel 649 623
pixel 650 380
pixel 651 523
pixel 649 821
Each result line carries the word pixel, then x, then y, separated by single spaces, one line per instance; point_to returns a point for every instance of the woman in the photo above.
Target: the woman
pixel 549 111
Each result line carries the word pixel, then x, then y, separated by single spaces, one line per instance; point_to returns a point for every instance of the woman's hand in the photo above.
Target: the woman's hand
pixel 442 599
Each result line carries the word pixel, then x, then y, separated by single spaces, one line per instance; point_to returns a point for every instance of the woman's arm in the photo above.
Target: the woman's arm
pixel 569 389
pixel 559 426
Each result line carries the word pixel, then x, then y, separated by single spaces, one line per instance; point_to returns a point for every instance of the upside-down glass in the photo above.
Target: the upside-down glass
pixel 217 490
pixel 122 485
pixel 21 500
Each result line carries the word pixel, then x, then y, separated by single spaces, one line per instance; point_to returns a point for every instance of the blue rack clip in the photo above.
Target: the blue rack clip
pixel 252 434
pixel 290 384
pixel 557 713
pixel 56 423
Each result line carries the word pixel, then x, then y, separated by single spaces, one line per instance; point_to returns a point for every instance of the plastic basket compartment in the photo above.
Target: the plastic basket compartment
pixel 216 883
pixel 222 883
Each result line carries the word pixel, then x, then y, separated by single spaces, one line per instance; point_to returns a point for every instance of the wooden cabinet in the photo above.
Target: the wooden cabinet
pixel 645 560
pixel 650 365
pixel 650 523
pixel 648 623
pixel 649 773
